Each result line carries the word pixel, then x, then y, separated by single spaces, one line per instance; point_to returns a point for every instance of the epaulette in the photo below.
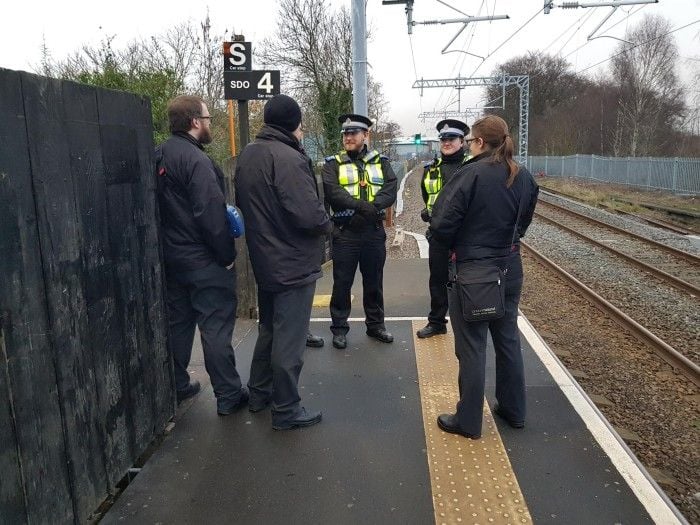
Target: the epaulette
pixel 330 158
pixel 383 157
pixel 428 164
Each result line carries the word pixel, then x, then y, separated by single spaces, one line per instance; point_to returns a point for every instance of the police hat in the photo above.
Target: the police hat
pixel 450 128
pixel 351 122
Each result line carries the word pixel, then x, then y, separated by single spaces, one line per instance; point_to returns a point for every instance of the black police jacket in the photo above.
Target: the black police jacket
pixel 192 206
pixel 338 197
pixel 475 212
pixel 284 218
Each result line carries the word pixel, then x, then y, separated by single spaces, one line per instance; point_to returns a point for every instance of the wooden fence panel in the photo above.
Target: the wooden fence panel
pixel 85 377
pixel 30 357
pixel 58 155
pixel 152 319
pixel 125 193
pixel 16 207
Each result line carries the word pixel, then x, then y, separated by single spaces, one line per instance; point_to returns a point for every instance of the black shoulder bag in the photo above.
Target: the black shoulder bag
pixel 481 289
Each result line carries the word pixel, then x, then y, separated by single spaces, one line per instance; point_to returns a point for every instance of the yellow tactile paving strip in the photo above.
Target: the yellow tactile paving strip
pixel 321 300
pixel 472 480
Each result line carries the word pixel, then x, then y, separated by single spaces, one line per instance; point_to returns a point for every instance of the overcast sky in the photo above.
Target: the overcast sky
pixel 68 25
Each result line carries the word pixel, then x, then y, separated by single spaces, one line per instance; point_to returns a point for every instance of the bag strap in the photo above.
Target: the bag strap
pixel 517 219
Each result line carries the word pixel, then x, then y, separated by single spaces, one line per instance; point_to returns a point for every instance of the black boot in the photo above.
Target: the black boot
pixel 339 341
pixel 314 341
pixel 380 334
pixel 430 330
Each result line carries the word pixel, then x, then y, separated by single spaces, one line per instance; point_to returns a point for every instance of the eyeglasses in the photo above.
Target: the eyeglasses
pixel 448 139
pixel 205 116
pixel 469 141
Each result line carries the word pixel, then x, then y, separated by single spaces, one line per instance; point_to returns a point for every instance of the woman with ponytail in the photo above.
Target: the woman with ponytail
pixel 481 213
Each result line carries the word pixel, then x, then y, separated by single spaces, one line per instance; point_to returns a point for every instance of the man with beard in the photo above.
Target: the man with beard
pixel 359 184
pixel 199 254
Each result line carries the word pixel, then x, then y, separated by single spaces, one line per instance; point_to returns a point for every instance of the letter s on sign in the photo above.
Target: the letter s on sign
pixel 237 57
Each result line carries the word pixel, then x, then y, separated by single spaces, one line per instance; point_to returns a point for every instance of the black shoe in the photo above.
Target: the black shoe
pixel 304 419
pixel 339 341
pixel 448 423
pixel 499 412
pixel 242 401
pixel 314 341
pixel 430 330
pixel 380 334
pixel 186 393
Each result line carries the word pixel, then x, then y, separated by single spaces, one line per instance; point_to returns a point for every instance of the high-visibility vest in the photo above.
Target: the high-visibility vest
pixel 432 182
pixel 350 178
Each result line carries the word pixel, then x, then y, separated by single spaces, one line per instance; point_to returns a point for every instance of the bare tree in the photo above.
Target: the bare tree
pixel 651 99
pixel 313 48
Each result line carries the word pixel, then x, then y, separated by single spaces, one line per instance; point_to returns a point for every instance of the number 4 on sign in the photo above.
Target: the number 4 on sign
pixel 266 82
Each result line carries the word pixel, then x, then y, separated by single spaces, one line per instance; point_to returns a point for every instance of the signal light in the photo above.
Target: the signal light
pixel 417 139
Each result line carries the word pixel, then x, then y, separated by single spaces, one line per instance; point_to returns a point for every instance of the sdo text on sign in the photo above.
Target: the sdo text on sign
pixel 251 85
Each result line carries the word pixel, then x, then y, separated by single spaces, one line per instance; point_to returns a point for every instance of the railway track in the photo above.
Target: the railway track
pixel 678 267
pixel 669 354
pixel 659 223
pixel 663 307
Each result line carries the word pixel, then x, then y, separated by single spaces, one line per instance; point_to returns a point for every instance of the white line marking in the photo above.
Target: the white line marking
pixel 361 319
pixel 422 243
pixel 657 504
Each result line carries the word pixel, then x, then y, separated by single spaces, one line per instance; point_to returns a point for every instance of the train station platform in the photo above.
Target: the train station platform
pixel 378 456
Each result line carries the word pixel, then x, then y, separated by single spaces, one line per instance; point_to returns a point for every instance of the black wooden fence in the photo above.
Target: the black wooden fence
pixel 85 377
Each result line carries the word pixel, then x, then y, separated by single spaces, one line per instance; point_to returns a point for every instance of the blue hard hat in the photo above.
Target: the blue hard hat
pixel 235 221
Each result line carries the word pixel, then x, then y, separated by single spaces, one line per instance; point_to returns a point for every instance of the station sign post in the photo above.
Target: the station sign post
pixel 242 84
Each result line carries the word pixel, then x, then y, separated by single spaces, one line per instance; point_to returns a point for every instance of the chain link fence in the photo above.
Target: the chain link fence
pixel 679 175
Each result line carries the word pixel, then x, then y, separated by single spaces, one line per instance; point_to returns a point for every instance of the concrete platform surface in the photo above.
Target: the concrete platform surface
pixel 368 460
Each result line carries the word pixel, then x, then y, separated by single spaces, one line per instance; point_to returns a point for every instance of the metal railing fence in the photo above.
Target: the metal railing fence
pixel 679 175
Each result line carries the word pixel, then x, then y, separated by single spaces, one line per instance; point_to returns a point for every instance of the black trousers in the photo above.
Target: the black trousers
pixel 438 262
pixel 470 347
pixel 207 298
pixel 279 350
pixel 368 249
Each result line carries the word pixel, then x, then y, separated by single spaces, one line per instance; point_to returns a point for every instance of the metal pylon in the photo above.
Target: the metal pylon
pixel 523 83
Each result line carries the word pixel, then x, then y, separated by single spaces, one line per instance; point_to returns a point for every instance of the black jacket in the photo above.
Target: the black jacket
pixel 284 218
pixel 192 206
pixel 339 199
pixel 475 212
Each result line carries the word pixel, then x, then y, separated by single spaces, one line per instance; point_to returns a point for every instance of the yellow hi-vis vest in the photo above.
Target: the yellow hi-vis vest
pixel 432 182
pixel 350 178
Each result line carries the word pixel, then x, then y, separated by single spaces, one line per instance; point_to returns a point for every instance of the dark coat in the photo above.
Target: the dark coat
pixel 475 212
pixel 284 218
pixel 192 206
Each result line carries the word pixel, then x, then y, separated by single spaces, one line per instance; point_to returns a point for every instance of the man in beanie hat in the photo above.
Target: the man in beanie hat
pixel 277 194
pixel 435 175
pixel 359 184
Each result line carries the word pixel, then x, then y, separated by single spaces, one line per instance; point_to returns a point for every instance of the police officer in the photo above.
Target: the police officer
pixel 435 175
pixel 481 215
pixel 359 184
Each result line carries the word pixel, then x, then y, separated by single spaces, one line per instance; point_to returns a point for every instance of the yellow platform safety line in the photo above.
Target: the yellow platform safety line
pixel 472 480
pixel 321 300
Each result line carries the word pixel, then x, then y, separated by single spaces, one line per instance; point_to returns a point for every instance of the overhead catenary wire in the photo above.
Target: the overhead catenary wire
pixel 539 10
pixel 629 48
pixel 458 65
pixel 637 45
